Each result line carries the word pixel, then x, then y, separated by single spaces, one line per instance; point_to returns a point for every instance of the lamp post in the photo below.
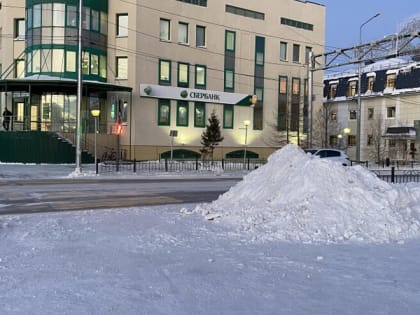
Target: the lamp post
pixel 359 94
pixel 246 124
pixel 346 132
pixel 95 113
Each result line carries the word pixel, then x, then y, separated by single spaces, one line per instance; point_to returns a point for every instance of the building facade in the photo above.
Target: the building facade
pixel 390 115
pixel 160 68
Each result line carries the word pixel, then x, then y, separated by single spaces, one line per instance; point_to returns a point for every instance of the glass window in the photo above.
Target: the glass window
pixel 19 29
pixel 333 116
pixel 104 23
pixel 229 79
pixel 183 33
pixel 183 74
pixel 102 66
pixel 58 14
pixel 72 16
pixel 29 18
pixel 46 60
pixel 371 113
pixel 36 61
pixel 164 113
pixel 58 35
pixel 371 81
pixel 122 25
pixel 259 58
pixel 95 21
pixel 85 62
pixel 200 36
pixel 46 14
pixel 295 86
pixel 228 116
pixel 283 85
pixel 296 53
pixel 182 114
pixel 165 29
pixel 57 60
pixel 351 140
pixel 352 114
pixel 283 51
pixel 230 40
pixel 122 67
pixel 86 18
pixel 351 90
pixel 71 61
pixel 37 15
pixel 94 64
pixel 390 112
pixel 259 92
pixel 333 90
pixel 390 81
pixel 19 68
pixel 200 76
pixel 199 114
pixel 164 71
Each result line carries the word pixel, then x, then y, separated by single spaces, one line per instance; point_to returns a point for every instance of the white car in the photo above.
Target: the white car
pixel 331 154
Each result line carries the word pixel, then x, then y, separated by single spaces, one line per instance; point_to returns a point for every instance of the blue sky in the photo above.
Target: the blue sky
pixel 345 17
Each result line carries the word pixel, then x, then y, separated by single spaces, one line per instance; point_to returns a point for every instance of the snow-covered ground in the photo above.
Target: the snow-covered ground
pixel 299 235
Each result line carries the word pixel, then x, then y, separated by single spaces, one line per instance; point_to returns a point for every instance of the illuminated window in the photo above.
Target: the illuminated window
pixel 122 67
pixel 182 114
pixel 183 74
pixel 390 80
pixel 199 114
pixel 164 113
pixel 164 72
pixel 200 76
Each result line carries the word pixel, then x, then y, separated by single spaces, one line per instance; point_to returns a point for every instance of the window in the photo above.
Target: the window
pixel 199 114
pixel 390 81
pixel 164 113
pixel 351 89
pixel 71 16
pixel 122 25
pixel 19 29
pixel 182 33
pixel 70 61
pixel 333 90
pixel 230 40
pixel 371 81
pixel 200 76
pixel 182 114
pixel 183 74
pixel 296 53
pixel 228 116
pixel 259 58
pixel 351 140
pixel 229 79
pixel 202 3
pixel 37 15
pixel 334 141
pixel 164 72
pixel 283 85
pixel 19 68
pixel 259 92
pixel 283 51
pixel 94 20
pixel 352 114
pixel 94 64
pixel 165 29
pixel 307 53
pixel 333 116
pixel 85 62
pixel 57 60
pixel 58 17
pixel 297 24
pixel 295 86
pixel 390 112
pixel 200 36
pixel 370 113
pixel 245 12
pixel 122 68
pixel 102 66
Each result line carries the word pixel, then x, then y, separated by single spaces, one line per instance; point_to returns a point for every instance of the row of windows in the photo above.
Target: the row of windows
pixel 352 85
pixel 183 77
pixel 298 24
pixel 296 54
pixel 202 3
pixel 390 113
pixel 62 15
pixel 183 33
pixel 183 114
pixel 244 12
pixel 296 88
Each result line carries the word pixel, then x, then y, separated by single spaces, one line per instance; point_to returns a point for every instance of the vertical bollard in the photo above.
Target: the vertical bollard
pixel 134 166
pixel 97 166
pixel 393 174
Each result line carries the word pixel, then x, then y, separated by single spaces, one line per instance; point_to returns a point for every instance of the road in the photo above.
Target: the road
pixel 51 195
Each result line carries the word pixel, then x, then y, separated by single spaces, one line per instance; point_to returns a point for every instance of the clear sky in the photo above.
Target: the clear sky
pixel 344 19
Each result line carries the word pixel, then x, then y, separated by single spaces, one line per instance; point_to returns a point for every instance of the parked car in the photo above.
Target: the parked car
pixel 331 154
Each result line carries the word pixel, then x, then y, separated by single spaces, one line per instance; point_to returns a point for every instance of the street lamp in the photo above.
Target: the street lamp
pixel 95 113
pixel 347 132
pixel 246 124
pixel 359 94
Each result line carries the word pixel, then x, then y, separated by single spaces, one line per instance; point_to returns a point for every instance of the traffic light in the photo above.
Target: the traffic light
pixel 118 129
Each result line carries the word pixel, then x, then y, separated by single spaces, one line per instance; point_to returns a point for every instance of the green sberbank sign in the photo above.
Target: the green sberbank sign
pixel 194 95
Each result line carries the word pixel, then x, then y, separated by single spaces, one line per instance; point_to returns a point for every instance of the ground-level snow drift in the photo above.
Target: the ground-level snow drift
pixel 299 197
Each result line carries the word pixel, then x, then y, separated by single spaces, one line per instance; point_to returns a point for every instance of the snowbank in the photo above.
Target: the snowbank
pixel 298 197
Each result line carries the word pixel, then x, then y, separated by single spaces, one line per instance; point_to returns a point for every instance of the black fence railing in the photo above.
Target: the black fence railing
pixel 167 165
pixel 398 176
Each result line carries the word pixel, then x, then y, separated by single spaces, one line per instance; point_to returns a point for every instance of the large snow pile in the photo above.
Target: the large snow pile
pixel 299 197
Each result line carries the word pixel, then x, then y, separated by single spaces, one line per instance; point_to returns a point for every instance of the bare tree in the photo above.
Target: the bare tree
pixel 376 146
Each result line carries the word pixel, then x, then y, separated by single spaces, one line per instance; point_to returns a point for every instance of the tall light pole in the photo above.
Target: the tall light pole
pixel 79 90
pixel 95 113
pixel 359 94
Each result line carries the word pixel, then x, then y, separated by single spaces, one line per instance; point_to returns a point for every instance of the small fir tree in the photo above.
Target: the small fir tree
pixel 211 137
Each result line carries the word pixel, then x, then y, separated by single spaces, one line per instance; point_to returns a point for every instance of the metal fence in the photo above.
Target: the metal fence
pixel 398 176
pixel 167 165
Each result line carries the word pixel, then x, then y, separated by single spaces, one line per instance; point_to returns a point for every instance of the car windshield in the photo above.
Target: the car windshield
pixel 312 151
